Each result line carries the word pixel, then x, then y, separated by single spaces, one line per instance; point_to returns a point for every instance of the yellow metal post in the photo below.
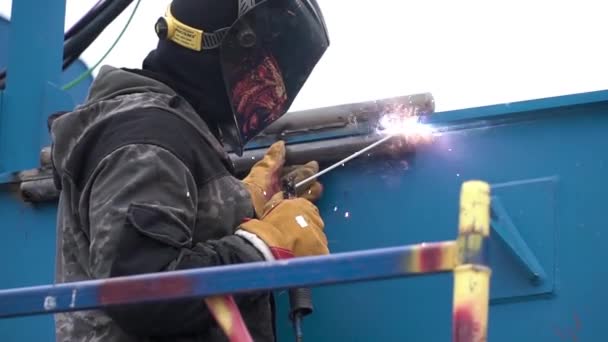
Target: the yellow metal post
pixel 472 274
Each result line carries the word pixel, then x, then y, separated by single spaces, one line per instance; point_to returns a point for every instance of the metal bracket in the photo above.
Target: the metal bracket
pixel 508 233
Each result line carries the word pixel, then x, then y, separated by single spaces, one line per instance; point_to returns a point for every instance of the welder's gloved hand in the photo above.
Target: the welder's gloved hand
pixel 289 228
pixel 312 190
pixel 264 179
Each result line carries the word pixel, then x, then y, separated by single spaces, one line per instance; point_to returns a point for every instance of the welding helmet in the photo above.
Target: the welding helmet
pixel 266 56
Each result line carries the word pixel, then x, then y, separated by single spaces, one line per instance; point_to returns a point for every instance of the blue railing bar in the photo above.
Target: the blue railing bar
pixel 302 272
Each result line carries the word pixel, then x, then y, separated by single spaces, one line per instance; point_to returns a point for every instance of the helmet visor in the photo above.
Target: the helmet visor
pixel 267 56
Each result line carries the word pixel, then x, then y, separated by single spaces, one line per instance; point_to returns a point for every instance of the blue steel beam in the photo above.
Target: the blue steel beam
pixel 35 56
pixel 374 264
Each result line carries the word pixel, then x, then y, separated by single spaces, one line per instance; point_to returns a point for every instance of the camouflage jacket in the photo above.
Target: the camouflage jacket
pixel 140 208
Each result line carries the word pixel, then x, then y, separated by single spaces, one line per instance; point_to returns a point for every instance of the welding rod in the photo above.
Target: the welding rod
pixel 345 160
pixel 300 299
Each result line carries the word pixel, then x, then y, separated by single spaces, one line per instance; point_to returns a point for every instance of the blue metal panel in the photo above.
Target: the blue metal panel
pixel 392 202
pixel 34 61
pixel 548 170
pixel 28 232
pixel 27 254
pixel 78 92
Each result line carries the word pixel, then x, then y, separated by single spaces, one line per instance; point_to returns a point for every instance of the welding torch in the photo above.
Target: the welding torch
pixel 300 299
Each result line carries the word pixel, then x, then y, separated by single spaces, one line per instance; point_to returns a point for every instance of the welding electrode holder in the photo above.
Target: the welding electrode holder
pixel 300 299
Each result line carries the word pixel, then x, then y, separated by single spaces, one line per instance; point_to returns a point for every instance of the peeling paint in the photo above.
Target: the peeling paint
pixel 50 303
pixel 73 301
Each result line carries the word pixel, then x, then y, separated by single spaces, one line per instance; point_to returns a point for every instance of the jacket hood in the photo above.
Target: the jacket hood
pixel 113 82
pixel 116 91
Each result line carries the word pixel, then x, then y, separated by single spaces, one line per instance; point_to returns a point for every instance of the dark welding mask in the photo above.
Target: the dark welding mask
pixel 266 56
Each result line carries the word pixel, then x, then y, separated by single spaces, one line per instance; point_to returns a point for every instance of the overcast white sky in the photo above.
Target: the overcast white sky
pixel 467 53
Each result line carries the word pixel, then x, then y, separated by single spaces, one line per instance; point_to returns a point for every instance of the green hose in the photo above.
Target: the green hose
pixel 85 74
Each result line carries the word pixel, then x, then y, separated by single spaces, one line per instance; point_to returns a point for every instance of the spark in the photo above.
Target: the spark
pixel 406 125
pixel 347 214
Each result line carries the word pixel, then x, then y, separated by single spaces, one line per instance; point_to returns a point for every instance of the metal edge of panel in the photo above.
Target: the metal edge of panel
pixel 521 107
pixel 323 134
pixel 330 133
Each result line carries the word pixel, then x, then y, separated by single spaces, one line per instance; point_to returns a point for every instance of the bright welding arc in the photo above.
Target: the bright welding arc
pixel 391 124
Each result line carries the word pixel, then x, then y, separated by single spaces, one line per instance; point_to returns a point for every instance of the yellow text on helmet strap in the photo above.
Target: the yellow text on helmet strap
pixel 182 34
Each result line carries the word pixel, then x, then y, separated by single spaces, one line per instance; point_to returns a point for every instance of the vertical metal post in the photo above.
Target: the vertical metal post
pixel 472 275
pixel 34 59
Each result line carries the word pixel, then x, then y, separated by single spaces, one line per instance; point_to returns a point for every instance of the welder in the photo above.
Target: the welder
pixel 146 181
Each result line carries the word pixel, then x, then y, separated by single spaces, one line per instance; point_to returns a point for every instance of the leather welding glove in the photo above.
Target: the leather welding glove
pixel 289 228
pixel 312 190
pixel 264 179
pixel 266 176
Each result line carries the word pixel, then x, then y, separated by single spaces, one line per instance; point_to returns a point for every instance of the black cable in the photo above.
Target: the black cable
pixel 76 45
pixel 300 299
pixel 86 19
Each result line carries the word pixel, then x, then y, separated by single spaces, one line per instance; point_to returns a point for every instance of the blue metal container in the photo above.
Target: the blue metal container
pixel 546 161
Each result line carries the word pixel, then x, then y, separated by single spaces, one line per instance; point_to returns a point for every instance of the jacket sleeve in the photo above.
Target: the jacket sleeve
pixel 142 210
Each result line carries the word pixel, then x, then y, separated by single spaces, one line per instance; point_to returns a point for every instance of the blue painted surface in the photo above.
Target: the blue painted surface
pixel 77 93
pixel 506 231
pixel 28 253
pixel 548 170
pixel 28 232
pixel 34 61
pixel 416 199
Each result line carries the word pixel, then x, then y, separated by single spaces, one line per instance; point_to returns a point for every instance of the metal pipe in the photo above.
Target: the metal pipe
pixel 472 275
pixel 340 116
pixel 37 185
pixel 356 121
pixel 384 263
